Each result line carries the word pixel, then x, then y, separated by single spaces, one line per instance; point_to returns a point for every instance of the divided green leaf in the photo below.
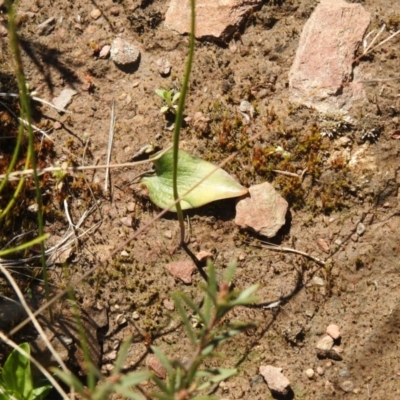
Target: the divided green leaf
pixel 191 170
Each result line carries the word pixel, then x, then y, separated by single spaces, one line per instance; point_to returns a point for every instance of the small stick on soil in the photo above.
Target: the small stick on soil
pixel 39 100
pixel 274 247
pixel 286 173
pixel 26 123
pixel 110 142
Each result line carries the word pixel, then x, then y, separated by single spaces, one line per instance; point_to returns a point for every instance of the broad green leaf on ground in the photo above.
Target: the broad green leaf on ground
pixel 220 185
pixel 16 373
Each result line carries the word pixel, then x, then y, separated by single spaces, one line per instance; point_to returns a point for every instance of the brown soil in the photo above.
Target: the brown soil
pixel 360 276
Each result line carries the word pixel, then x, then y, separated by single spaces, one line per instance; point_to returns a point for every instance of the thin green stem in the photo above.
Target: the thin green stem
pixel 179 118
pixel 27 115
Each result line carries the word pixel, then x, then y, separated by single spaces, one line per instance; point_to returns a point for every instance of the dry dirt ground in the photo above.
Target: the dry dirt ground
pixel 356 288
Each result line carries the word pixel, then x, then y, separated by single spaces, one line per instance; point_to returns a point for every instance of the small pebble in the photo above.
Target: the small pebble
pixel 347 386
pixel 204 255
pixel 112 355
pixel 131 207
pixel 169 305
pixel 123 52
pixel 320 371
pixel 114 11
pixel 310 373
pixel 182 270
pixel 95 14
pixel 164 66
pixel 344 373
pixel 168 234
pixel 120 319
pixel 323 245
pixel 57 125
pixel 333 331
pixel 154 363
pixel 135 315
pixel 276 380
pixel 317 281
pixel 64 98
pixel 360 229
pixel 329 387
pixel 127 221
pixel 124 253
pixel 354 237
pixel 325 344
pixel 105 51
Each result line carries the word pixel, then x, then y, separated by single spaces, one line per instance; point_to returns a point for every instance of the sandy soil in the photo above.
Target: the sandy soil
pixel 357 285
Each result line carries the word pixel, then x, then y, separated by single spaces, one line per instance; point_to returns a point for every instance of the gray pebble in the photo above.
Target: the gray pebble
pixel 360 229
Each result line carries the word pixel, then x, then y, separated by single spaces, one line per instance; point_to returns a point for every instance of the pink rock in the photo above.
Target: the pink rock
pixel 323 245
pixel 324 58
pixel 214 19
pixel 154 363
pixel 276 381
pixel 204 255
pixel 105 51
pixel 57 125
pixel 333 331
pixel 182 270
pixel 264 211
pixel 123 52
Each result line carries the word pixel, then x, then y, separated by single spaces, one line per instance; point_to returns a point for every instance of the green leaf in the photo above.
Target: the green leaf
pixel 17 373
pixel 70 379
pixel 176 97
pixel 134 378
pixel 161 93
pixel 185 319
pixel 164 109
pixel 122 354
pixel 245 297
pixel 222 374
pixel 163 360
pixel 220 185
pixel 41 392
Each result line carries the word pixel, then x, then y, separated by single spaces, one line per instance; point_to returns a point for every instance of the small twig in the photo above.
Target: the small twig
pixel 370 47
pixel 26 123
pixel 274 247
pixel 110 142
pixel 17 174
pixel 39 100
pixel 379 80
pixel 286 173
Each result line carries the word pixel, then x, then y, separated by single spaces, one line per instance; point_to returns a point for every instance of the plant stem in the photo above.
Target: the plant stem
pixel 179 118
pixel 27 114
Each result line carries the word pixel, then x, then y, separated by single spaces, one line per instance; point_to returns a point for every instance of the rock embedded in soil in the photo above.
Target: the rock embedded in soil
pixel 182 270
pixel 214 19
pixel 263 212
pixel 322 70
pixel 347 386
pixel 333 331
pixel 276 381
pixel 124 53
